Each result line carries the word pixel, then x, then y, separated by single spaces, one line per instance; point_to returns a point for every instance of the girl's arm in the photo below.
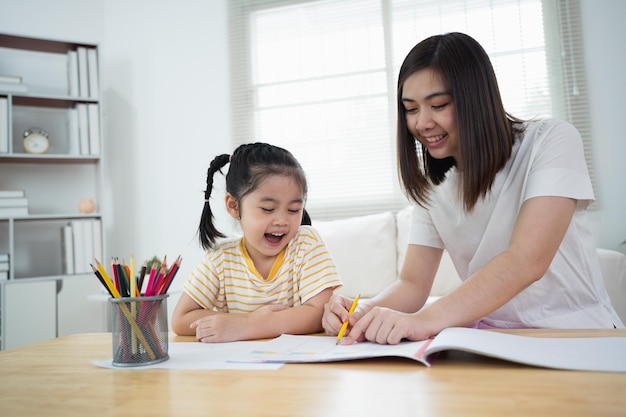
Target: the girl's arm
pixel 266 322
pixel 538 232
pixel 185 313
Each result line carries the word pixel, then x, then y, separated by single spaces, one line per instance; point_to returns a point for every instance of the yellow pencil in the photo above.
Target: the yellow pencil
pixel 133 305
pixel 344 326
pixel 131 277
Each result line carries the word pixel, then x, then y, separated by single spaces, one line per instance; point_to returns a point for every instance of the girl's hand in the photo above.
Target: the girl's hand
pixel 386 326
pixel 231 327
pixel 221 328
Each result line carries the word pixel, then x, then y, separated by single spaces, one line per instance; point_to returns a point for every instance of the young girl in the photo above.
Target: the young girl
pixel 276 278
pixel 506 198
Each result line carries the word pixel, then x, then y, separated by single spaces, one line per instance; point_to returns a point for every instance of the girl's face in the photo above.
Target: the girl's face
pixel 430 114
pixel 269 216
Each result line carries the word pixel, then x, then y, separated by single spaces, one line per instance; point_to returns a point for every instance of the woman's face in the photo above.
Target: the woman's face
pixel 430 114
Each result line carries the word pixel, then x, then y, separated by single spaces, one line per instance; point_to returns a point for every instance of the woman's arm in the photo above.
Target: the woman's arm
pixel 408 294
pixel 537 234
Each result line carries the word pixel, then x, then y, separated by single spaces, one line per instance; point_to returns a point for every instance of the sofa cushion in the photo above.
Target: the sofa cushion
pixel 364 249
pixel 613 265
pixel 447 278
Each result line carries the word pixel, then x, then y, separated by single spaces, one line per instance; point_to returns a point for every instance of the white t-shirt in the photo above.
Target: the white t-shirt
pixel 548 161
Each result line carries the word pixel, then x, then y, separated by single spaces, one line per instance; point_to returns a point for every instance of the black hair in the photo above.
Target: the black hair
pixel 250 165
pixel 486 131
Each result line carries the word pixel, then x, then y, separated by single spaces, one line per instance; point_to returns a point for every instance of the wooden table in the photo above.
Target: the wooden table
pixel 55 378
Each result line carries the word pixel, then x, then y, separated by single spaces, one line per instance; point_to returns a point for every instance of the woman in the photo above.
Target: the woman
pixel 506 198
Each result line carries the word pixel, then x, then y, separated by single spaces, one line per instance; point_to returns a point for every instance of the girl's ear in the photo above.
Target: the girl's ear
pixel 232 206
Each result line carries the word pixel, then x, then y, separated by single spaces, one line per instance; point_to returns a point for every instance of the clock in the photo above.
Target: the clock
pixel 36 141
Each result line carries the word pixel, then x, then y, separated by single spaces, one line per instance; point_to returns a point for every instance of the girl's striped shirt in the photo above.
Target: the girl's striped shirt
pixel 227 281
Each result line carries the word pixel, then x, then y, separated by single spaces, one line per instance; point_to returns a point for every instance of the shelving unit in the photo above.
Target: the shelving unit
pixel 42 298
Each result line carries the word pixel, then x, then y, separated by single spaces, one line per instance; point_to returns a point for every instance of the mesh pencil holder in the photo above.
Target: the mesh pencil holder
pixel 140 331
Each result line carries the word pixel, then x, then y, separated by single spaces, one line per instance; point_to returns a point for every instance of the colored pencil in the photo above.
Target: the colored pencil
pixel 142 275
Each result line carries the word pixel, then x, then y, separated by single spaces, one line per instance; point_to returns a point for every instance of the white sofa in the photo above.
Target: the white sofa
pixel 369 251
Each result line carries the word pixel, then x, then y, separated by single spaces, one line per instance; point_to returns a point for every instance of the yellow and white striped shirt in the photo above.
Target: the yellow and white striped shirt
pixel 227 281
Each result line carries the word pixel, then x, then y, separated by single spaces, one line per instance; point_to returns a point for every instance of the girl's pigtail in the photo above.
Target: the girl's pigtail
pixel 207 232
pixel 306 218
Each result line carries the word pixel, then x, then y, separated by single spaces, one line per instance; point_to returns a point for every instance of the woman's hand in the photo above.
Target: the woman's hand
pixel 386 326
pixel 336 312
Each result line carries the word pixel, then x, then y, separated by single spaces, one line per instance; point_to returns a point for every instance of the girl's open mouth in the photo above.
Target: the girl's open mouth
pixel 274 238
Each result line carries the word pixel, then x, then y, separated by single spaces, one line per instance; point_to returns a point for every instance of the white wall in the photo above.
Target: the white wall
pixel 166 109
pixel 166 101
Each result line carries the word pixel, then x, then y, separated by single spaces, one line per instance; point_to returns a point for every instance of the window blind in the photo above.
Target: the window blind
pixel 319 79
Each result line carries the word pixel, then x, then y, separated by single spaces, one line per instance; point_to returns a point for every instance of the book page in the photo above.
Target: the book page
pixel 304 349
pixel 582 354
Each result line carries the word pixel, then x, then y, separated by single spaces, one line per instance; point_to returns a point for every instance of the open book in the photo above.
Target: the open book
pixel 584 354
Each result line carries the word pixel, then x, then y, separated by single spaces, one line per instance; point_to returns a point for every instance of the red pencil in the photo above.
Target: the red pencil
pixel 153 270
pixel 162 289
pixel 157 280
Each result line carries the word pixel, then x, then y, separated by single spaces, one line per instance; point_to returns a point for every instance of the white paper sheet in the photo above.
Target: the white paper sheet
pixel 207 356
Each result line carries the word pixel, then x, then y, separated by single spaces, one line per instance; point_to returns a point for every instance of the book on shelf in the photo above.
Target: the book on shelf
pixel 12 193
pixel 13 202
pixel 13 88
pixel 4 125
pixel 72 73
pixel 92 72
pixel 13 211
pixel 67 249
pixel 79 246
pixel 5 266
pixel 86 244
pixel 73 135
pixel 582 354
pixel 10 79
pixel 93 111
pixel 83 73
pixel 97 239
pixel 83 128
